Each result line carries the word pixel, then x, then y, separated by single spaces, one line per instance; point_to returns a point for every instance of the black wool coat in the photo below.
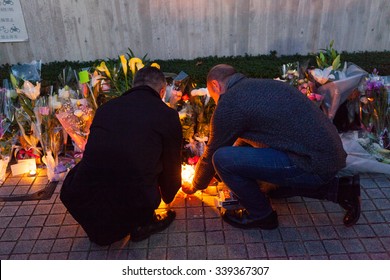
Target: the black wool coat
pixel 132 159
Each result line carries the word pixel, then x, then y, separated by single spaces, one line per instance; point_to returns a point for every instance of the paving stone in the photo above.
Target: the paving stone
pixel 286 221
pixel 315 207
pixel 213 224
pixel 271 235
pixel 117 254
pixel 19 221
pixel 158 240
pixel 303 220
pixel 314 248
pixel 18 257
pixel 382 203
pixel 137 254
pixel 11 234
pixel 31 233
pixel 216 252
pixel 67 231
pixel 36 221
pixel 58 209
pixel 193 201
pixel 375 193
pixel 237 251
pixel 215 237
pixel 252 236
pixel 320 219
pixel 233 236
pixel 157 253
pixel 197 253
pixel 381 230
pixel 275 249
pixel 8 211
pixel 295 248
pixel 178 226
pixel 25 210
pixel 6 247
pixel 380 256
pixel 359 256
pixel 298 208
pixel 333 247
pixel 62 245
pixel 54 220
pixel 78 255
pixel 195 225
pixel 177 239
pixel 98 255
pixel 353 245
pixel 364 230
pixel 49 232
pixel 58 256
pixel 386 242
pixel 81 244
pixel 289 234
pixel 43 246
pixel 196 238
pixel 4 222
pixel 69 220
pixel 373 216
pixel 327 232
pixel 339 257
pixel 39 257
pixel 195 213
pixel 211 212
pixel 23 247
pixel 372 245
pixel 176 253
pixel 256 250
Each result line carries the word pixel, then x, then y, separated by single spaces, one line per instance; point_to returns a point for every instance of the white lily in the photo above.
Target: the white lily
pixel 322 76
pixel 30 90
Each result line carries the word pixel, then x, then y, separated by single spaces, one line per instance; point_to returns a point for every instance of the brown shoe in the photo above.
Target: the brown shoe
pixel 159 223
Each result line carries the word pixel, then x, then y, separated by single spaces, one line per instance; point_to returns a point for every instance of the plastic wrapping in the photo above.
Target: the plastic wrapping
pixel 336 92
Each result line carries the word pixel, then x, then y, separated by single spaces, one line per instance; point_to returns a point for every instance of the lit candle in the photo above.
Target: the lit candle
pixel 32 172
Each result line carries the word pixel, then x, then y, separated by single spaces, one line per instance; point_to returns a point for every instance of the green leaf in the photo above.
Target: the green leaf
pixel 336 63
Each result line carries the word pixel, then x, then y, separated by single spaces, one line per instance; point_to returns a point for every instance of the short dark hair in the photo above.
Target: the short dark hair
pixel 221 72
pixel 149 76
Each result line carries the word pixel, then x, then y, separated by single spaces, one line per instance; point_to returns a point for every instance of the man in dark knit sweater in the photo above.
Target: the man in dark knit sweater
pixel 266 130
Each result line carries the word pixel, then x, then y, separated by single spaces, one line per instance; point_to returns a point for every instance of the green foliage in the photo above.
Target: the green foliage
pixel 328 57
pixel 260 66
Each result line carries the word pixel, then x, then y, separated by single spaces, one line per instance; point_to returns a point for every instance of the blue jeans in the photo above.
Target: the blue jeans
pixel 241 167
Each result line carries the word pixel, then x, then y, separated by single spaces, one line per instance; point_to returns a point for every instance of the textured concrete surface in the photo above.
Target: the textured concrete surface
pixel 309 229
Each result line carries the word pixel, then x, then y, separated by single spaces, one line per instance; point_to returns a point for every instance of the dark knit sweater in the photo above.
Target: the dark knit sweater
pixel 276 114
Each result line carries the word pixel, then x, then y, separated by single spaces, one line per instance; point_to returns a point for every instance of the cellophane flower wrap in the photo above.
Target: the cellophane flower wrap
pixel 75 116
pixel 375 109
pixel 8 130
pixel 26 80
pixel 51 137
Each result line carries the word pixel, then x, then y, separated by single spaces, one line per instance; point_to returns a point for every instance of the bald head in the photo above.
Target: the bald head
pixel 221 73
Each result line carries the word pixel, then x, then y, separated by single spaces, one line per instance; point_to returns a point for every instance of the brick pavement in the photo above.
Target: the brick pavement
pixel 309 229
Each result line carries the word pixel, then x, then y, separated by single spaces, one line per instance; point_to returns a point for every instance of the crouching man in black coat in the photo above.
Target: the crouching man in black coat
pixel 131 161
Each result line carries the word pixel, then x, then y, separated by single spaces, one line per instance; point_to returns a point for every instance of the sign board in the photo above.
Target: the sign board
pixel 12 26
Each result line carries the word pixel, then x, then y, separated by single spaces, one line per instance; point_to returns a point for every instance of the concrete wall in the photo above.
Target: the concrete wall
pixel 165 29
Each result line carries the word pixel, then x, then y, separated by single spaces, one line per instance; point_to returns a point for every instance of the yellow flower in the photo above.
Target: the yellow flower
pixel 103 68
pixel 124 64
pixel 135 62
pixel 154 64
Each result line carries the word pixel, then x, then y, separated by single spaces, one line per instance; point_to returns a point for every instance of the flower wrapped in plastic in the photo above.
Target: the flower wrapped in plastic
pixel 375 109
pixel 75 116
pixel 203 106
pixel 51 137
pixel 8 131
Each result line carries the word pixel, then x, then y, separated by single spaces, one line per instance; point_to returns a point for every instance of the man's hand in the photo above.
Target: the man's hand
pixel 188 188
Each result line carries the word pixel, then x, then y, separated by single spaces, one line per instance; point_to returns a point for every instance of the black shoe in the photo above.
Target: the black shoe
pixel 349 198
pixel 240 219
pixel 159 223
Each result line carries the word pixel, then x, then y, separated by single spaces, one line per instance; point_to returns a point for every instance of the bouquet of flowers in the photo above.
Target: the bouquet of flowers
pixel 8 130
pixel 112 78
pixel 75 116
pixel 375 109
pixel 25 79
